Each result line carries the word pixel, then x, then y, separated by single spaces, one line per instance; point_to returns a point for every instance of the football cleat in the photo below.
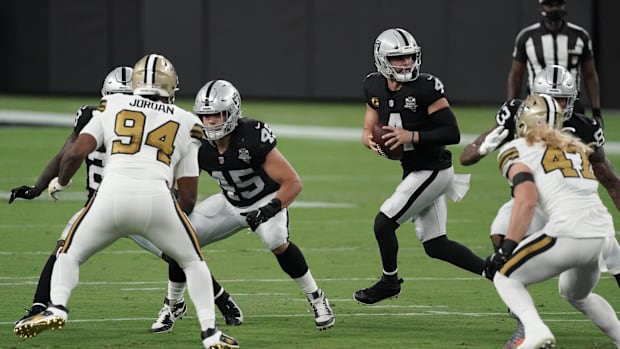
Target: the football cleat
pixel 378 292
pixel 323 313
pixel 52 318
pixel 216 339
pixel 168 315
pixel 230 310
pixel 517 337
pixel 36 308
pixel 539 338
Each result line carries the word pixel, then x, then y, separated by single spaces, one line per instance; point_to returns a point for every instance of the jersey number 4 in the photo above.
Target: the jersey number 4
pixel 130 125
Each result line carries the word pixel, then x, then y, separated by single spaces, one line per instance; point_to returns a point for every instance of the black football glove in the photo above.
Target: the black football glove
pixel 263 214
pixel 596 115
pixel 24 192
pixel 496 261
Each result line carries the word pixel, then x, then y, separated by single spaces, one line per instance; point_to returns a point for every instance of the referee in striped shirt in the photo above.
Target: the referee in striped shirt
pixel 554 40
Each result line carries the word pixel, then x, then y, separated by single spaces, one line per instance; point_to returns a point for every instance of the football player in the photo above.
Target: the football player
pixel 557 82
pixel 257 183
pixel 149 143
pixel 416 111
pixel 117 81
pixel 550 168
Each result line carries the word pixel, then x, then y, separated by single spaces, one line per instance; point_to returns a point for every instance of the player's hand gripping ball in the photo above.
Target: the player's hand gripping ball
pixel 382 148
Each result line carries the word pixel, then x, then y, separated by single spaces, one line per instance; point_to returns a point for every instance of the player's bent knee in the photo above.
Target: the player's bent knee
pixel 383 224
pixel 436 248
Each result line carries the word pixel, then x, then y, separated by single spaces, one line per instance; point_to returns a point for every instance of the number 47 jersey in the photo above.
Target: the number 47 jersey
pixel 567 188
pixel 239 169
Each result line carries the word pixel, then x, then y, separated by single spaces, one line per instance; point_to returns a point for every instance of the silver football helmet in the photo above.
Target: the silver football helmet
pixel 219 97
pixel 397 42
pixel 557 82
pixel 154 75
pixel 537 110
pixel 117 81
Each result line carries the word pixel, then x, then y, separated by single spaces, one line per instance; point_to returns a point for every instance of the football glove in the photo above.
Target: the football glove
pixel 496 261
pixel 493 140
pixel 263 214
pixel 54 187
pixel 24 192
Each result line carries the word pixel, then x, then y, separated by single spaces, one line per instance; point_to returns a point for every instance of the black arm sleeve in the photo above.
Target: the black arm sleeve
pixel 445 132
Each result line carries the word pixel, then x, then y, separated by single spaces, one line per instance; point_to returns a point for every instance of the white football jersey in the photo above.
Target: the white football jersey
pixel 145 139
pixel 567 189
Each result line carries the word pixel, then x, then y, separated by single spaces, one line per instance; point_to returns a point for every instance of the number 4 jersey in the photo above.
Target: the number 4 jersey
pixel 239 170
pixel 567 188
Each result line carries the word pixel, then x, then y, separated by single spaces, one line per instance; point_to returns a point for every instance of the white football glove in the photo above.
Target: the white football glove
pixel 492 140
pixel 54 187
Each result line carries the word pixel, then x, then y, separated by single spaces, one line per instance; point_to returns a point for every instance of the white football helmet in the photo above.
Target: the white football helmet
pixel 397 42
pixel 537 110
pixel 117 81
pixel 222 98
pixel 154 75
pixel 557 82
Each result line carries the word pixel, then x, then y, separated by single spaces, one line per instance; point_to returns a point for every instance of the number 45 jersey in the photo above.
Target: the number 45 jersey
pixel 239 170
pixel 567 188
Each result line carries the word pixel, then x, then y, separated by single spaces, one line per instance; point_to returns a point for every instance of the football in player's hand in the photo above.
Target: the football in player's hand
pixel 384 150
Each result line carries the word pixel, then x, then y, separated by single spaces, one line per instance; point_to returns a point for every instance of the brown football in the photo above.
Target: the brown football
pixel 384 150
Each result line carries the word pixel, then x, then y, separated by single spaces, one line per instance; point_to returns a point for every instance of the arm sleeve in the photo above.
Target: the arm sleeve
pixel 446 131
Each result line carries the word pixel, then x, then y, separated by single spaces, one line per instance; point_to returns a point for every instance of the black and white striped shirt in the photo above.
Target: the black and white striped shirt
pixel 538 47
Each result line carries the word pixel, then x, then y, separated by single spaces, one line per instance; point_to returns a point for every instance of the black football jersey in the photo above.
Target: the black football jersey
pixel 506 117
pixel 94 160
pixel 582 127
pixel 239 170
pixel 407 108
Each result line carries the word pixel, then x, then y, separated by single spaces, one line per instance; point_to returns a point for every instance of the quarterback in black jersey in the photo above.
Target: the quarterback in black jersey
pixel 117 81
pixel 257 183
pixel 559 83
pixel 417 115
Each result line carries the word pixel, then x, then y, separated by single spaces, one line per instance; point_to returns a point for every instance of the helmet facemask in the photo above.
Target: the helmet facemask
pixel 557 82
pixel 394 43
pixel 221 98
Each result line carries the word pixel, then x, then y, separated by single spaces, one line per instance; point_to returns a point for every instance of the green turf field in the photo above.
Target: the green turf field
pixel 122 288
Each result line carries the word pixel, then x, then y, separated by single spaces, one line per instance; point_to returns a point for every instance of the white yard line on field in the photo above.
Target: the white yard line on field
pixel 17 117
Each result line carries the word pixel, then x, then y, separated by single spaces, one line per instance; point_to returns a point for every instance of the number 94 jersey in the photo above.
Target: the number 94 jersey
pixel 239 170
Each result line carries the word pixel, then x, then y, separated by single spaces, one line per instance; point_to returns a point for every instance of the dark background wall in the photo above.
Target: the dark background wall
pixel 279 49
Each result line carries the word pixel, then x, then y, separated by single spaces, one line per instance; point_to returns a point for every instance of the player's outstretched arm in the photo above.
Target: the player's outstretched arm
pixel 49 172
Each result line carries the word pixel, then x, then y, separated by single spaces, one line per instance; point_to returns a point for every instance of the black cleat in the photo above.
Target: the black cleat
pixel 378 292
pixel 230 310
